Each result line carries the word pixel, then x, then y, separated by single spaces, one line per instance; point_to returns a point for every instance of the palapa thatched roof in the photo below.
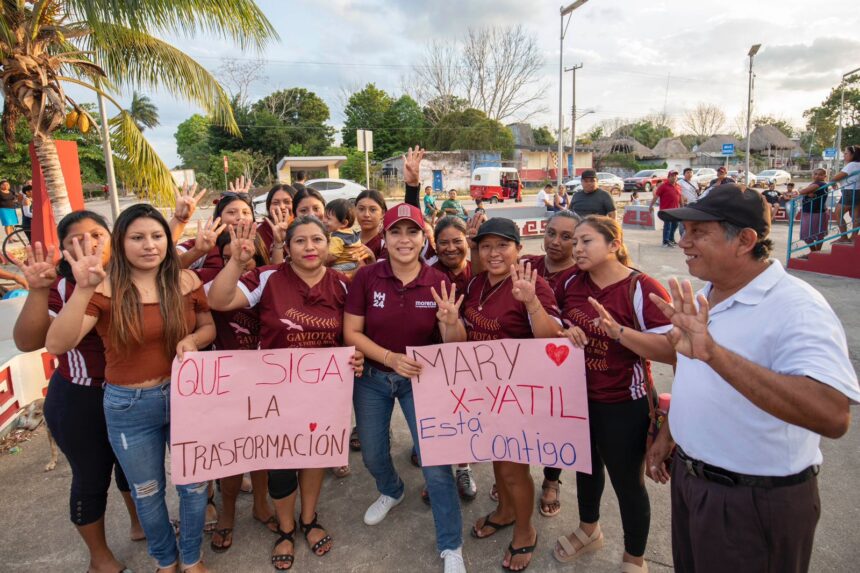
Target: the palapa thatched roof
pixel 621 145
pixel 671 147
pixel 766 137
pixel 714 144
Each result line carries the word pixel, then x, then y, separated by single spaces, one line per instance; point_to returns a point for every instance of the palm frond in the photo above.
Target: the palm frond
pixel 241 21
pixel 145 171
pixel 137 60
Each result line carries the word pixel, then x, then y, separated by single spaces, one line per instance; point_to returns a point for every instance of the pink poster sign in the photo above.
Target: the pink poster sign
pixel 237 411
pixel 516 400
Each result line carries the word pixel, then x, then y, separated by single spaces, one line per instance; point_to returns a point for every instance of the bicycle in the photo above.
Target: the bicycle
pixel 15 244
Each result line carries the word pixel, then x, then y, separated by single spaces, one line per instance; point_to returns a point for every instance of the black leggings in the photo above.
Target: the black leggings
pixel 618 433
pixel 75 416
pixel 283 483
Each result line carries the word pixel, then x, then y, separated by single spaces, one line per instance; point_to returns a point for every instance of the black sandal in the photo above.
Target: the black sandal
pixel 307 527
pixel 288 559
pixel 223 533
pixel 521 551
pixel 487 523
pixel 209 526
pixel 354 442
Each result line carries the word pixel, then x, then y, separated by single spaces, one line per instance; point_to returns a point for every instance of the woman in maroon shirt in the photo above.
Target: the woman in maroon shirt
pixel 556 266
pixel 509 300
pixel 609 301
pixel 73 407
pixel 300 305
pixel 370 208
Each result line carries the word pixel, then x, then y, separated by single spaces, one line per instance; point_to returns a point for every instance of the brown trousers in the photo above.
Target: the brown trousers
pixel 741 529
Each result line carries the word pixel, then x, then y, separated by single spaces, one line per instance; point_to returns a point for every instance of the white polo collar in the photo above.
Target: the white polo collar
pixel 754 291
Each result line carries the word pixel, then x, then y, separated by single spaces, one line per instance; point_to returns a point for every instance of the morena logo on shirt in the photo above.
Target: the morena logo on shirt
pixel 378 299
pixel 425 304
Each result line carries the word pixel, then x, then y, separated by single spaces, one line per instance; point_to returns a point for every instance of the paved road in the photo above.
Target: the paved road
pixel 37 535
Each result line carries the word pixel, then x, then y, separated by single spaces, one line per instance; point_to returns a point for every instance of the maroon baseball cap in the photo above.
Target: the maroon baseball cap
pixel 673 172
pixel 402 212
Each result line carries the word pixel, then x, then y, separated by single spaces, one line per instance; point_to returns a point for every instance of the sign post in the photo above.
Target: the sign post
pixel 728 151
pixel 364 139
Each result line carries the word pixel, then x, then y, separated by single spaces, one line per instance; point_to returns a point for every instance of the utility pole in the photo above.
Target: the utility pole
pixel 108 153
pixel 573 123
pixel 753 51
pixel 838 161
pixel 564 11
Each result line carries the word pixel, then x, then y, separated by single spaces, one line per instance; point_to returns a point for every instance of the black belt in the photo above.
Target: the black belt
pixel 725 477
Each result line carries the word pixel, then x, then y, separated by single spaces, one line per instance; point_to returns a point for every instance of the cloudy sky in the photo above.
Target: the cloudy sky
pixel 639 57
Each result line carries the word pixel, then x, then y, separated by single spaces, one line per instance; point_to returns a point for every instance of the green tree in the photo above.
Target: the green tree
pixel 646 132
pixel 143 112
pixel 108 47
pixel 780 123
pixel 822 120
pixel 244 162
pixel 193 143
pixel 471 129
pixel 290 117
pixel 366 109
pixel 405 125
pixel 543 136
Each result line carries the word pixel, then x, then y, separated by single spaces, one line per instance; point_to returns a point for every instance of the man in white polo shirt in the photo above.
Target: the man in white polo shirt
pixel 763 371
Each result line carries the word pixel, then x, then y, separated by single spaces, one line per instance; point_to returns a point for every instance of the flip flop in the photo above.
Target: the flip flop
pixel 223 533
pixel 273 520
pixel 209 526
pixel 496 527
pixel 521 551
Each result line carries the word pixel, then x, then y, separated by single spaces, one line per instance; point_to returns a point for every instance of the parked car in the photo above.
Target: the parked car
pixel 775 176
pixel 330 189
pixel 495 184
pixel 571 184
pixel 646 180
pixel 609 182
pixel 704 175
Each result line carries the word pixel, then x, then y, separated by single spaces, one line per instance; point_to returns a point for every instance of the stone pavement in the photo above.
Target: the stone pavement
pixel 36 534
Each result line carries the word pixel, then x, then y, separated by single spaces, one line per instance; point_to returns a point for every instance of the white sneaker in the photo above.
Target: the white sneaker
pixel 454 560
pixel 380 508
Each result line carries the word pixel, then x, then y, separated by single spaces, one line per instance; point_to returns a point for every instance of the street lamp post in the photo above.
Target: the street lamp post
pixel 564 11
pixel 841 108
pixel 573 122
pixel 753 51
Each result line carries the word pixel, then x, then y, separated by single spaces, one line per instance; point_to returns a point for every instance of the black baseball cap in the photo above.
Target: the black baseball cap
pixel 500 227
pixel 589 173
pixel 729 202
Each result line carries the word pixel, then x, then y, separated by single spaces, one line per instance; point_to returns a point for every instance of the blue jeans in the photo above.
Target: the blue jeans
pixel 669 231
pixel 138 425
pixel 373 398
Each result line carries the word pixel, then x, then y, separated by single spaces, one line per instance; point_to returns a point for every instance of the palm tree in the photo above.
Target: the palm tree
pixel 108 47
pixel 143 112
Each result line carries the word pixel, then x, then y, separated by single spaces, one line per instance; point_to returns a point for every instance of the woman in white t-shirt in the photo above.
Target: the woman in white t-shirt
pixel 850 202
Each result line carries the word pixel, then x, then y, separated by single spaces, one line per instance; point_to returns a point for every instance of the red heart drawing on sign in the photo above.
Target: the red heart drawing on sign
pixel 312 426
pixel 557 354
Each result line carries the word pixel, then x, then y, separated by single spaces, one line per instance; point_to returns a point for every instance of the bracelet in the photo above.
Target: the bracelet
pixel 620 332
pixel 385 358
pixel 278 246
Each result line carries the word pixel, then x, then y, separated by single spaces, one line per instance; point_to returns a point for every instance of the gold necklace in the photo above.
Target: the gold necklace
pixel 482 299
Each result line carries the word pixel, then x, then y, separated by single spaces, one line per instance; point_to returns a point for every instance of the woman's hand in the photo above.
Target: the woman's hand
pixel 576 336
pixel 357 363
pixel 362 254
pixel 86 268
pixel 38 269
pixel 187 344
pixel 207 234
pixel 242 246
pixel 412 165
pixel 448 304
pixel 279 223
pixel 186 202
pixel 240 186
pixel 604 321
pixel 524 281
pixel 403 365
pixel 472 226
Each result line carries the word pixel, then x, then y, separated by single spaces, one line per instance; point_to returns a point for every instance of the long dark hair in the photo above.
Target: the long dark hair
pixel 288 189
pixel 306 193
pixel 63 229
pixel 374 196
pixel 126 324
pixel 228 198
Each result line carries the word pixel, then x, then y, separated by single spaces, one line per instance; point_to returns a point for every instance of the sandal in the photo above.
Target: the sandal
pixel 307 528
pixel 273 520
pixel 494 494
pixel 425 496
pixel 627 567
pixel 521 551
pixel 492 525
pixel 285 559
pixel 550 508
pixel 341 471
pixel 590 543
pixel 354 442
pixel 223 547
pixel 209 525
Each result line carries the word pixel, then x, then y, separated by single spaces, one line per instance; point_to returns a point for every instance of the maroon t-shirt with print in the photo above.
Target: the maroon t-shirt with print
pixel 557 279
pixel 377 246
pixel 461 281
pixel 85 363
pixel 396 315
pixel 614 373
pixel 293 314
pixel 234 329
pixel 492 312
